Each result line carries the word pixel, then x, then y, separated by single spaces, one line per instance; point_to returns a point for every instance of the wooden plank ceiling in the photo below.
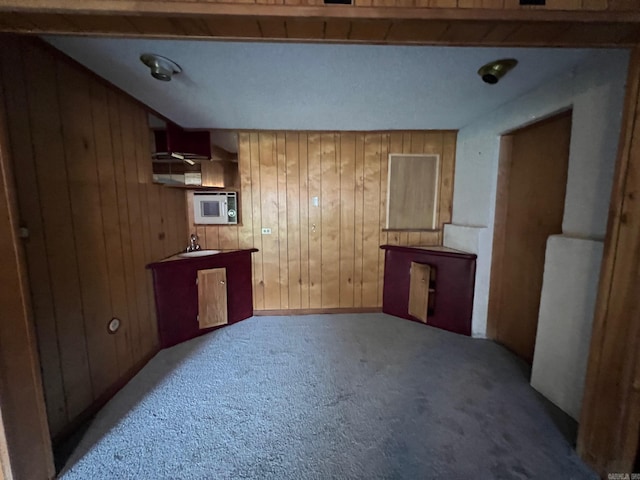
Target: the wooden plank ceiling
pixel 487 22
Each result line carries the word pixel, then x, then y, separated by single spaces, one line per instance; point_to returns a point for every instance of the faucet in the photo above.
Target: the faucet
pixel 193 243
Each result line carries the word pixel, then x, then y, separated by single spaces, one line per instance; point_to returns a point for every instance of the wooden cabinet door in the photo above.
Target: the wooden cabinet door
pixel 419 291
pixel 212 297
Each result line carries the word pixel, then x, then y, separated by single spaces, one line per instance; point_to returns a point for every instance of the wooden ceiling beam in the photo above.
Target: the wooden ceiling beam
pixel 176 8
pixel 345 30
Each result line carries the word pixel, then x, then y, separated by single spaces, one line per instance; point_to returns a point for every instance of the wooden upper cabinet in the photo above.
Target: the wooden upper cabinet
pixel 212 297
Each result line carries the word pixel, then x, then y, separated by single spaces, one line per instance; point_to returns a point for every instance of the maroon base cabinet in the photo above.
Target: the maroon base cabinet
pixel 452 288
pixel 176 293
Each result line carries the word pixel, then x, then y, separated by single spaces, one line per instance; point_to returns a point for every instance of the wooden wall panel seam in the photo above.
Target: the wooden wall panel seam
pixel 91 177
pixel 347 172
pixel 37 235
pixel 101 201
pixel 72 223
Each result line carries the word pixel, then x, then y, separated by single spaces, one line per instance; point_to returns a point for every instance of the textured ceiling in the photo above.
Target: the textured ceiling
pixel 317 86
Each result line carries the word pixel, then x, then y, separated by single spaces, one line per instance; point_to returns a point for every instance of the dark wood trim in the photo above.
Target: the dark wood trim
pixel 313 311
pixel 497 252
pixel 24 432
pixel 102 400
pixel 206 7
pixel 610 419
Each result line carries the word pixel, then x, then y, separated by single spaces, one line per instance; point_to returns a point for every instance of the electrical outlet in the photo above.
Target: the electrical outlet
pixel 266 231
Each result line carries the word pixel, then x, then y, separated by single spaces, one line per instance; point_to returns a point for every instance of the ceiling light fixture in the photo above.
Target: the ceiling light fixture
pixel 161 67
pixel 492 72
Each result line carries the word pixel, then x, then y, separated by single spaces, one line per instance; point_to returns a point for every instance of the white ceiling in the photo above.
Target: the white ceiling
pixel 317 86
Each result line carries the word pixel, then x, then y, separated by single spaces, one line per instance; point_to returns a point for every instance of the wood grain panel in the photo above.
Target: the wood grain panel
pixel 537 34
pixel 383 237
pixel 85 176
pixel 18 106
pixel 622 5
pixel 195 8
pixel 111 222
pixel 481 3
pixel 447 177
pixel 347 217
pixel 273 28
pixel 416 31
pixel 234 27
pixel 303 159
pixel 442 3
pixel 609 432
pixel 337 29
pixel 330 221
pixel 135 225
pixel 211 237
pixel 86 212
pixel 325 256
pixel 245 230
pixel 269 216
pixel 371 219
pixel 305 29
pixel 314 172
pixel 282 226
pixel 25 450
pixel 292 174
pixel 212 297
pixel 563 5
pixel 228 238
pixel 142 149
pixel 371 30
pixel 419 291
pixel 469 22
pixel 358 265
pixel 256 199
pixel 413 189
pixel 461 33
pixel 539 162
pixel 594 4
pixel 102 24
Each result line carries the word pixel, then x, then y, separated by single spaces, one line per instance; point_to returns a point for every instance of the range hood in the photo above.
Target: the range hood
pixel 176 144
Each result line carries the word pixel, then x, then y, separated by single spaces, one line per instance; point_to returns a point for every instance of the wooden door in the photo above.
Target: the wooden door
pixel 529 208
pixel 419 291
pixel 212 297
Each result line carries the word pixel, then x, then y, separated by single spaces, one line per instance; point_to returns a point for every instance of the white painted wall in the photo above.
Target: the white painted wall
pixel 595 91
pixel 564 327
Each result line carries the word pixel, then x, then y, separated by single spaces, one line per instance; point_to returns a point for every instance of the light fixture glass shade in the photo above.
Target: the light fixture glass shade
pixel 161 67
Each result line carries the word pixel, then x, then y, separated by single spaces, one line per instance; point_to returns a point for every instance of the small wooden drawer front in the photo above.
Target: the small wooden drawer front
pixel 212 297
pixel 419 291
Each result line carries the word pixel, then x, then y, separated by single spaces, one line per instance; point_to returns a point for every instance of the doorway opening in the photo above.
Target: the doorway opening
pixel 532 181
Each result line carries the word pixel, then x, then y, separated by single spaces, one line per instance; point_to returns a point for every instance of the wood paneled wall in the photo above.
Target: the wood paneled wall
pixel 83 174
pixel 609 434
pixel 325 256
pixel 25 446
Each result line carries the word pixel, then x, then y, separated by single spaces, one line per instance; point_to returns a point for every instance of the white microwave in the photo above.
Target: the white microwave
pixel 215 208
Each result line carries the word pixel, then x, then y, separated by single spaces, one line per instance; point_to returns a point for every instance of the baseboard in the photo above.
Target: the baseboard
pixel 102 400
pixel 314 311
